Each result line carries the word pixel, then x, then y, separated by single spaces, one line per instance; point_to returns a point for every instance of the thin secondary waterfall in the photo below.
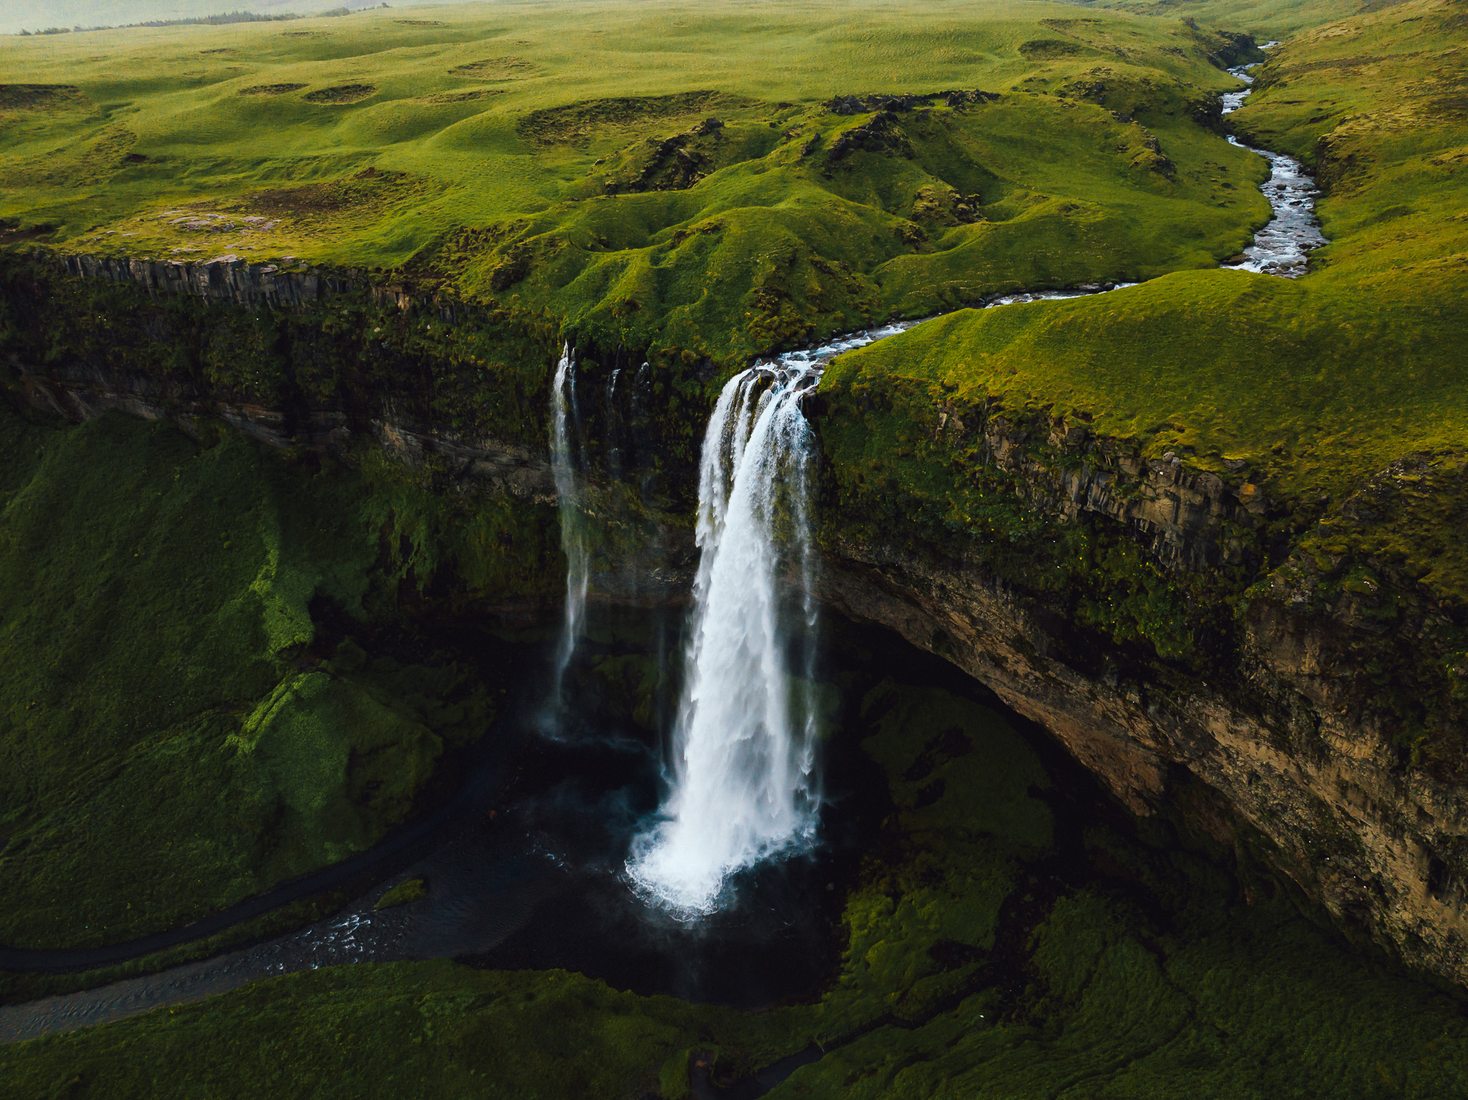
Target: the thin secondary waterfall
pixel 566 445
pixel 744 740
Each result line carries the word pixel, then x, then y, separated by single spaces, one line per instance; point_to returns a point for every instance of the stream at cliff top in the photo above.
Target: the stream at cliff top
pixel 1284 245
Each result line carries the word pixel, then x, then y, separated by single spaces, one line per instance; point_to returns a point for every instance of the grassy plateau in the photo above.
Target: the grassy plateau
pixel 702 182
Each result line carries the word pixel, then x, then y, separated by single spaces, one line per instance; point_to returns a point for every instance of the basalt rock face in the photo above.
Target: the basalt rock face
pixel 1282 711
pixel 84 394
pixel 225 278
pixel 294 358
pixel 228 278
pixel 1286 718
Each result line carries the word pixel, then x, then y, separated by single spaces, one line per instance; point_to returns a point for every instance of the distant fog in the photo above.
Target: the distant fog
pixel 38 15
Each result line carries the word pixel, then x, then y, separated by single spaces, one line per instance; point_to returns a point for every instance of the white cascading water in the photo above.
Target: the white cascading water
pixel 743 780
pixel 565 444
pixel 744 784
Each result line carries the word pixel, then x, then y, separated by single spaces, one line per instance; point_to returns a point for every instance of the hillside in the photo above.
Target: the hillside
pixel 728 198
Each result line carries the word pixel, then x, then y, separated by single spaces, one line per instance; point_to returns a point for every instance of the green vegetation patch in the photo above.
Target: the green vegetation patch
pixel 433 1028
pixel 37 97
pixel 497 68
pixel 178 733
pixel 405 892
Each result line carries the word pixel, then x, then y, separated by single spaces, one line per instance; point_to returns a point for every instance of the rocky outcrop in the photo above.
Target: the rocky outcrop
pixel 498 464
pixel 299 358
pixel 228 278
pixel 1184 517
pixel 863 104
pixel 1282 724
pixel 224 278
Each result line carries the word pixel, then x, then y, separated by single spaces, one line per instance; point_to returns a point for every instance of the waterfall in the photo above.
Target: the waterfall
pixel 744 740
pixel 566 445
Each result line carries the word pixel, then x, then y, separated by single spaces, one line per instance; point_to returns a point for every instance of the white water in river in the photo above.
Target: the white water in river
pixel 745 738
pixel 1284 245
pixel 565 445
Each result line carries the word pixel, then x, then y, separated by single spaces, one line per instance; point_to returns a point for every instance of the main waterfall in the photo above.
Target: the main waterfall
pixel 744 740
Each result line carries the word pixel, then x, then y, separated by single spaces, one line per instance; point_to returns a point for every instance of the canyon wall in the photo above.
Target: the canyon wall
pixel 1166 623
pixel 1292 705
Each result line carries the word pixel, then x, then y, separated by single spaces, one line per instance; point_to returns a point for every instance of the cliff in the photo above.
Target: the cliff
pixel 1315 705
pixel 1171 625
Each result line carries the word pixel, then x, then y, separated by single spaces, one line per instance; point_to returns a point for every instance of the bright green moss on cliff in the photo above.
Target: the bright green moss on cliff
pixel 179 733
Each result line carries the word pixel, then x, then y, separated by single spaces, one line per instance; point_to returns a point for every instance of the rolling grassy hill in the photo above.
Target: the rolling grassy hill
pixel 51 15
pixel 685 178
pixel 1318 382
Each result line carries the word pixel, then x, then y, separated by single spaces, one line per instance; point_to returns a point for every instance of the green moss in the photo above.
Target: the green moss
pixel 335 759
pixel 173 738
pixel 405 892
pixel 435 1027
pixel 968 815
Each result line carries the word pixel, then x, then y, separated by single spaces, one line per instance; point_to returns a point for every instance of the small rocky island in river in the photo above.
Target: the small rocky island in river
pixel 590 548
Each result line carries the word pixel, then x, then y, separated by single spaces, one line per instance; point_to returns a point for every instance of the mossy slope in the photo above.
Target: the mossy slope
pixel 180 733
pixel 752 188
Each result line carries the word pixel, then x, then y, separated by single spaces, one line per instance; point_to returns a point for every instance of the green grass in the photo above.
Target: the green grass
pixel 1265 19
pixel 67 14
pixel 994 950
pixel 521 152
pixel 179 734
pixel 1316 384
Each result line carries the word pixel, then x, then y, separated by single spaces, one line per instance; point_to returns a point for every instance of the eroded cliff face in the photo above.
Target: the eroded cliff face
pixel 1200 640
pixel 1288 718
pixel 81 394
pixel 228 278
pixel 292 357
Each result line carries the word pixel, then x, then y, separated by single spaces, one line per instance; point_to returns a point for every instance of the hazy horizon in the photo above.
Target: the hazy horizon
pixel 43 14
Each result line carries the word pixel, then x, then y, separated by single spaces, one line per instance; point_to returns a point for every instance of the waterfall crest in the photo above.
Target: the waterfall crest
pixel 744 740
pixel 566 448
